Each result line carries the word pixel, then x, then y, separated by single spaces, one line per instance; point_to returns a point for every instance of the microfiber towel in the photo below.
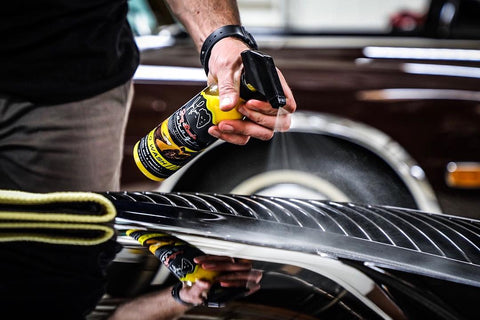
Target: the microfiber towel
pixel 75 218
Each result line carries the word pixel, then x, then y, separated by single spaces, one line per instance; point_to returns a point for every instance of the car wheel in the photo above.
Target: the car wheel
pixel 297 164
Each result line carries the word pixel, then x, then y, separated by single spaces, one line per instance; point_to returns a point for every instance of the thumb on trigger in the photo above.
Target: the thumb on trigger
pixel 227 94
pixel 226 103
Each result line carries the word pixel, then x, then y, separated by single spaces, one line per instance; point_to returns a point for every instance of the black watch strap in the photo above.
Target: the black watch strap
pixel 176 294
pixel 224 32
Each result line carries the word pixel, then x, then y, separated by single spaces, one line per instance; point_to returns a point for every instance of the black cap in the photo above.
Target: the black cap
pixel 260 79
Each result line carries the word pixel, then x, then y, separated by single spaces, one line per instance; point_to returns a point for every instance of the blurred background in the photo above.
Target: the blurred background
pixel 311 15
pixel 387 93
pixel 347 16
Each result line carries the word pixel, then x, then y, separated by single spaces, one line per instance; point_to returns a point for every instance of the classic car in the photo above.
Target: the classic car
pixel 387 113
pixel 342 214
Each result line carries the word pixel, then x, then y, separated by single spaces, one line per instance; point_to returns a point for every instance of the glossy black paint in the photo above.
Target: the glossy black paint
pixel 418 258
pixel 319 259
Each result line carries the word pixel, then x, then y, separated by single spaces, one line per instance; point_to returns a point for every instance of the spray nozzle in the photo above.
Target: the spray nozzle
pixel 260 79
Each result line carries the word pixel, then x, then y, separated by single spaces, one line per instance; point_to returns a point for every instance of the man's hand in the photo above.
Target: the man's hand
pixel 201 18
pixel 261 119
pixel 195 294
pixel 161 305
pixel 233 273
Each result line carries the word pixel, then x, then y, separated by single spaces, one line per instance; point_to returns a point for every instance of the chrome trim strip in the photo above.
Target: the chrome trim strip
pixel 147 73
pixel 422 53
pixel 441 70
pixel 416 94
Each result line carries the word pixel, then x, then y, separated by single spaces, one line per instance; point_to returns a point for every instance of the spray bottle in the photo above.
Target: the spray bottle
pixel 178 256
pixel 184 134
pixel 175 254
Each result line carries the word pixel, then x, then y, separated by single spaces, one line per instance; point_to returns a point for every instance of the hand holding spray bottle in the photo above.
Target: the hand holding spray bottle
pixel 178 256
pixel 183 135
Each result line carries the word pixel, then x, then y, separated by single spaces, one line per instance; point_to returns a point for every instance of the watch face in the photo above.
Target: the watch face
pixel 250 40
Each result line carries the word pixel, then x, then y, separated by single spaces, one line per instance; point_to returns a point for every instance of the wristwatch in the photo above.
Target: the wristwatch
pixel 224 32
pixel 176 295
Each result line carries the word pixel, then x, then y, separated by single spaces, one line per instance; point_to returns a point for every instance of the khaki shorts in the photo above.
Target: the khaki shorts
pixel 75 146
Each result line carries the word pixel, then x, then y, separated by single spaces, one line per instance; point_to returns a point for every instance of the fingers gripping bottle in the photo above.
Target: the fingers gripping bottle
pixel 184 134
pixel 177 255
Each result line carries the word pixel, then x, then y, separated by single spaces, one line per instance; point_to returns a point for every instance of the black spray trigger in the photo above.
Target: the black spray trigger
pixel 260 79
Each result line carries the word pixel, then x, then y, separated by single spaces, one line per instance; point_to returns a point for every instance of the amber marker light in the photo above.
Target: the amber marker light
pixel 463 174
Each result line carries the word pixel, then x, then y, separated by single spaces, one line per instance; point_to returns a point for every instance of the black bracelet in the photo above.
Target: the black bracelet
pixel 176 295
pixel 224 32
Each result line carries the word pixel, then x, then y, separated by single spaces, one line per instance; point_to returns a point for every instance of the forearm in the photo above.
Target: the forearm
pixel 202 17
pixel 155 306
pixel 224 66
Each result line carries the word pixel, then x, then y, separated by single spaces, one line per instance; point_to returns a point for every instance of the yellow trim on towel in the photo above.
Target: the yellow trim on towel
pixel 37 236
pixel 21 198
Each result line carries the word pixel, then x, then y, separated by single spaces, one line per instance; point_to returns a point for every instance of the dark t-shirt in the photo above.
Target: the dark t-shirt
pixel 57 51
pixel 52 281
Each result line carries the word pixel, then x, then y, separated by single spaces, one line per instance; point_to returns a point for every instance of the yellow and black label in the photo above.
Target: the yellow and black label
pixel 178 139
pixel 151 160
pixel 147 238
pixel 177 255
pixel 189 124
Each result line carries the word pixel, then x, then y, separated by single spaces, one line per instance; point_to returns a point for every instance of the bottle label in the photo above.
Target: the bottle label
pixel 150 159
pixel 189 125
pixel 174 253
pixel 178 139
